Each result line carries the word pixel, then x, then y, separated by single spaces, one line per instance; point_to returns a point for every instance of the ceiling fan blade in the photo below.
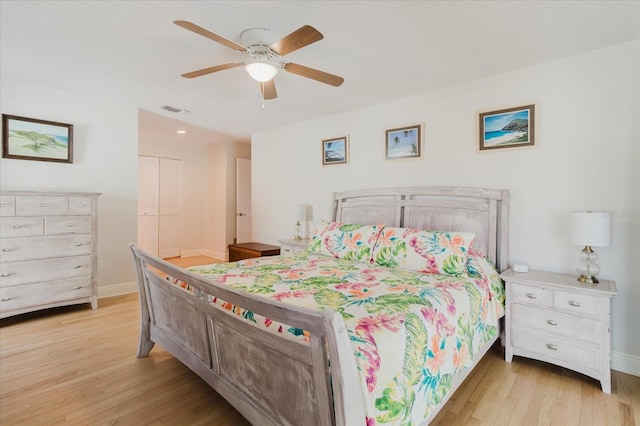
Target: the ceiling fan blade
pixel 210 70
pixel 298 39
pixel 210 35
pixel 268 89
pixel 314 74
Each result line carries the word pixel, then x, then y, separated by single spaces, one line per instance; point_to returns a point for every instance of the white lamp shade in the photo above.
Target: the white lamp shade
pixel 261 71
pixel 590 229
pixel 300 213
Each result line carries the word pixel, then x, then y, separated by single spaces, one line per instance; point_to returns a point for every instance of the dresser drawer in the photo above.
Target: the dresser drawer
pixel 578 303
pixel 21 227
pixel 67 225
pixel 41 205
pixel 7 205
pixel 80 205
pixel 33 271
pixel 549 321
pixel 553 349
pixel 19 297
pixel 16 249
pixel 530 295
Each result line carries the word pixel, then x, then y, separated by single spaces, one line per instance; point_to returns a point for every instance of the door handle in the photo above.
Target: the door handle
pixel 242 214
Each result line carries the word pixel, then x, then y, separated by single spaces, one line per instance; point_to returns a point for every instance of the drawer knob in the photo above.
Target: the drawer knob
pixel 77 244
pixel 69 225
pixel 531 296
pixel 6 250
pixel 5 275
pixel 574 303
pixel 3 205
pixel 43 205
pixel 552 322
pixel 5 299
pixel 78 287
pixel 77 266
pixel 17 226
pixel 552 347
pixel 80 204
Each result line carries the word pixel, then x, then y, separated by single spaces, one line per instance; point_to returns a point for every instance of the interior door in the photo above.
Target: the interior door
pixel 243 200
pixel 148 175
pixel 169 207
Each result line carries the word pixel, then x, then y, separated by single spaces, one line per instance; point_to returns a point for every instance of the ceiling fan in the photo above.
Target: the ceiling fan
pixel 266 51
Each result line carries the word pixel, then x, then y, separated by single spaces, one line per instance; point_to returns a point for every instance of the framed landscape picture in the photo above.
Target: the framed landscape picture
pixel 404 142
pixel 31 139
pixel 335 151
pixel 507 128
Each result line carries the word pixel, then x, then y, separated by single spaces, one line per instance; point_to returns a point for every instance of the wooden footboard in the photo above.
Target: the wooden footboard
pixel 270 379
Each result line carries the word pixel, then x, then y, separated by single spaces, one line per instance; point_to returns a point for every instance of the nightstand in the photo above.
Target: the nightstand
pixel 291 247
pixel 554 318
pixel 240 251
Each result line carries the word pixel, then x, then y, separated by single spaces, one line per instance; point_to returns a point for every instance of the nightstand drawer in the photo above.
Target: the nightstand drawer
pixel 535 296
pixel 549 321
pixel 554 349
pixel 578 303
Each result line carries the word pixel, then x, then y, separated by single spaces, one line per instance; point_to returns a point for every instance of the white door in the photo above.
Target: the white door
pixel 243 200
pixel 169 207
pixel 148 175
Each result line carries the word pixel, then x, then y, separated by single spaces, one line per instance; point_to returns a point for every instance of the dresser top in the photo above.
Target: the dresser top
pixel 40 193
pixel 559 280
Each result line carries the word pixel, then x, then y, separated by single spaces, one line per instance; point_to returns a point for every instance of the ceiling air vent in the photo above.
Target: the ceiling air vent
pixel 175 110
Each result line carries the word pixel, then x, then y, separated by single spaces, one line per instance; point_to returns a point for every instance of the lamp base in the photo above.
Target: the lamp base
pixel 587 279
pixel 297 238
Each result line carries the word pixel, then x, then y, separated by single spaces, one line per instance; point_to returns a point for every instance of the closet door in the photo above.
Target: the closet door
pixel 148 193
pixel 170 207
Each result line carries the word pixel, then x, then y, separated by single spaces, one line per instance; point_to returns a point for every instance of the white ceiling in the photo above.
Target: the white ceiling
pixel 385 50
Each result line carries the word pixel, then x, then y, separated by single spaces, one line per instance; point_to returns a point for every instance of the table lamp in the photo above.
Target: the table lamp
pixel 299 215
pixel 590 229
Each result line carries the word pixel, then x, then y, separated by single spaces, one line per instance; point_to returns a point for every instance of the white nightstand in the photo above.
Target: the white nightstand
pixel 291 247
pixel 554 318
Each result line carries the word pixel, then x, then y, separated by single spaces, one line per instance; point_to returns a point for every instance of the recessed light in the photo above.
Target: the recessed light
pixel 182 132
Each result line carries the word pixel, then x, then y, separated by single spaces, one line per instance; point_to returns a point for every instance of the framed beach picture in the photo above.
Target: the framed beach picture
pixel 41 140
pixel 507 128
pixel 335 151
pixel 404 142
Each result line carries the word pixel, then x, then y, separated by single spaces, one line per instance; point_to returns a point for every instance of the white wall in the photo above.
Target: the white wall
pixel 587 156
pixel 194 185
pixel 105 148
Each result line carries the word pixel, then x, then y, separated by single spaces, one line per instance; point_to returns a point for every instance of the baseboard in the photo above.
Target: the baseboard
pixel 216 254
pixel 190 253
pixel 117 289
pixel 625 363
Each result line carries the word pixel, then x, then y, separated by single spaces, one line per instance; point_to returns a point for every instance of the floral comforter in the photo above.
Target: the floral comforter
pixel 411 332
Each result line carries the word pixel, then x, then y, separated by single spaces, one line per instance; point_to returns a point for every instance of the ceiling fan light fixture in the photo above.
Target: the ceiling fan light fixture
pixel 261 71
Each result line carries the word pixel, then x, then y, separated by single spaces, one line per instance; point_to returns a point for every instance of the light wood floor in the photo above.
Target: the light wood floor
pixel 74 365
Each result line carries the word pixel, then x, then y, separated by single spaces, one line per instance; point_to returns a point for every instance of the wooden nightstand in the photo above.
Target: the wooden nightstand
pixel 554 318
pixel 241 251
pixel 291 247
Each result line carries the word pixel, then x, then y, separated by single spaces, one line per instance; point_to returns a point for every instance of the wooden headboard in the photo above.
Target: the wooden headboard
pixel 482 211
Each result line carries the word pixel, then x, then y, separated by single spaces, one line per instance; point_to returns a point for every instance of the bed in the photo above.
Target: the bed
pixel 330 338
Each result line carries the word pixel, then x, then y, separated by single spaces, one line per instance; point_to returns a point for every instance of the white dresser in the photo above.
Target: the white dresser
pixel 48 245
pixel 291 247
pixel 557 319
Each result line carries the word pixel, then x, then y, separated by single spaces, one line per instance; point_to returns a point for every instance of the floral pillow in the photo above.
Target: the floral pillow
pixel 345 240
pixel 431 252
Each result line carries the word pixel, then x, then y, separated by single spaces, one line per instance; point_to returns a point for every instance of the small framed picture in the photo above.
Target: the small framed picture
pixel 404 142
pixel 335 151
pixel 507 128
pixel 41 140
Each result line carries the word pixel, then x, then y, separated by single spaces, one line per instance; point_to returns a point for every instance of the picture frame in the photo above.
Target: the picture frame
pixel 507 128
pixel 39 140
pixel 335 151
pixel 403 142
